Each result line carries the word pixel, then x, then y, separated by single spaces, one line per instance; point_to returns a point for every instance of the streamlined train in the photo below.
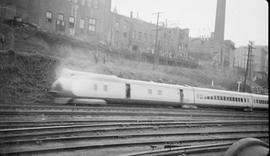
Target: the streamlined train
pixel 74 86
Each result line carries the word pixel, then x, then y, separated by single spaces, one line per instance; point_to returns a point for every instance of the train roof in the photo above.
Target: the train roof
pixel 228 92
pixel 156 83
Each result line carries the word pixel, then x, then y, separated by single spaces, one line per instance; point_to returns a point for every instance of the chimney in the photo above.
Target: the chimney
pixel 131 14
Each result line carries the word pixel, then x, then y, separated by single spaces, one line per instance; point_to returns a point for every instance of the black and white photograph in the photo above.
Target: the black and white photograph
pixel 134 78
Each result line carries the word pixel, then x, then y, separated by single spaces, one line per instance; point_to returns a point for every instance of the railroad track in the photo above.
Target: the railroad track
pixel 208 148
pixel 79 142
pixel 116 130
pixel 60 138
pixel 130 112
pixel 131 109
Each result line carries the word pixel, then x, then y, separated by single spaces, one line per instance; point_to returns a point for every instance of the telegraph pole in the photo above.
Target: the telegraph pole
pixel 156 55
pixel 248 64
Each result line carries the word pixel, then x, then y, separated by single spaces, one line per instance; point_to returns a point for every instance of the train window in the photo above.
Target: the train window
pixel 247 100
pixel 211 97
pixel 224 98
pixel 95 87
pixel 244 99
pixel 241 99
pixel 159 92
pixel 215 97
pixel 105 87
pixel 238 99
pixel 149 91
pixel 228 99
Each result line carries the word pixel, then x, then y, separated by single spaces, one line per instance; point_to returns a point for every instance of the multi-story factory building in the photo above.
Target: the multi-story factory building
pixel 82 19
pixel 92 20
pixel 133 34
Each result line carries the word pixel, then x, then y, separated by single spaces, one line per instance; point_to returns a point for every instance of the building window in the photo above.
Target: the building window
pixel 49 16
pixel 71 22
pixel 83 2
pixel 140 35
pixel 81 25
pixel 89 3
pixel 95 4
pixel 60 23
pixel 61 17
pixel 92 25
pixel 125 34
pixel 92 3
pixel 92 21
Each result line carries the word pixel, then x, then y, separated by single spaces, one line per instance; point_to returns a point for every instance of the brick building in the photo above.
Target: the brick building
pixel 258 57
pixel 211 51
pixel 137 35
pixel 82 19
pixel 92 20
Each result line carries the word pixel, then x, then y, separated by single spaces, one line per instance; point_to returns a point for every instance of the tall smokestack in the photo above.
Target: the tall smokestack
pixel 220 20
pixel 131 14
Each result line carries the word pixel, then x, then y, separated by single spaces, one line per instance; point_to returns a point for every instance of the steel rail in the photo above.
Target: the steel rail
pixel 183 150
pixel 186 124
pixel 77 146
pixel 145 135
pixel 117 113
pixel 37 123
pixel 72 131
pixel 132 109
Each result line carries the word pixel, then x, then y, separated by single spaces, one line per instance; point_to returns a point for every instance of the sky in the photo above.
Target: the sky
pixel 245 20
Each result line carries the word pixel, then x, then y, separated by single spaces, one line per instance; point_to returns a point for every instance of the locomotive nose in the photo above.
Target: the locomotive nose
pixel 62 87
pixel 56 88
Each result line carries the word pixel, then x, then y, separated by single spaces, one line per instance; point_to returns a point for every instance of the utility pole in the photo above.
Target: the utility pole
pixel 250 46
pixel 156 55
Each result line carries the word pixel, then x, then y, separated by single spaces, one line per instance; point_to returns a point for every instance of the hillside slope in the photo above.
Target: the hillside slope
pixel 38 57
